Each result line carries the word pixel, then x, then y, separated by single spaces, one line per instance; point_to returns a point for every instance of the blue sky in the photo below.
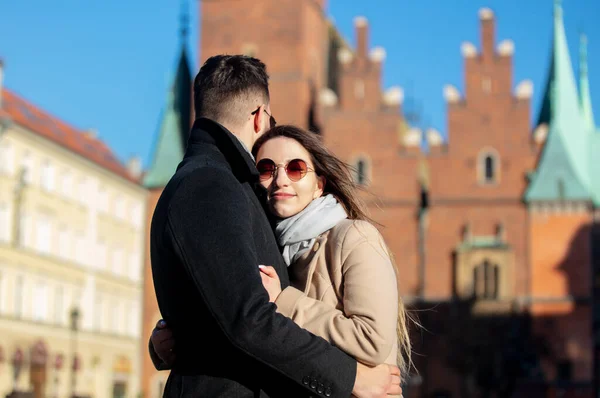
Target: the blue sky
pixel 106 64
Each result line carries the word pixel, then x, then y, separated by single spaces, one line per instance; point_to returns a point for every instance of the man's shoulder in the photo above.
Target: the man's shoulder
pixel 199 170
pixel 202 162
pixel 203 182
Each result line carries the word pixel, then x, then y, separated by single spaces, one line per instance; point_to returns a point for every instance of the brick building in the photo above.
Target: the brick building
pixel 491 226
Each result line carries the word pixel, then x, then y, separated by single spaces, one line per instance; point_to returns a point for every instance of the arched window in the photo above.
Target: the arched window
pixel 492 277
pixel 361 171
pixel 488 168
pixel 476 281
pixel 486 279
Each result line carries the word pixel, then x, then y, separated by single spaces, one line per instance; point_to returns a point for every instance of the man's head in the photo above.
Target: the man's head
pixel 233 90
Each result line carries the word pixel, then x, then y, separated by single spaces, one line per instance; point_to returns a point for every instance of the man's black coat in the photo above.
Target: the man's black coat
pixel 209 233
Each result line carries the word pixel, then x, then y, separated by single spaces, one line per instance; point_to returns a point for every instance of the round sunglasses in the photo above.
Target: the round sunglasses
pixel 295 169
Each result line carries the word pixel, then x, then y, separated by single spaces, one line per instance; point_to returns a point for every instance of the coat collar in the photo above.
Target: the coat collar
pixel 206 131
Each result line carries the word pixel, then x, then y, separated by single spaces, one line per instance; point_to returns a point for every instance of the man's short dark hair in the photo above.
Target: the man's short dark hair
pixel 229 86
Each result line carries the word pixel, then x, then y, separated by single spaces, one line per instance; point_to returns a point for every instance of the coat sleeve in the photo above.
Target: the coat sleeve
pixel 366 326
pixel 209 223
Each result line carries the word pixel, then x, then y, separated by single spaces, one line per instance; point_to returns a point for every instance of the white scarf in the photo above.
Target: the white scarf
pixel 297 234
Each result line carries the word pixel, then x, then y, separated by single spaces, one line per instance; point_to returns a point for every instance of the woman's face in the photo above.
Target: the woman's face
pixel 287 197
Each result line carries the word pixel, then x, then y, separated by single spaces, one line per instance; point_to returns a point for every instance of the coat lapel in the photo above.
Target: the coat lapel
pixel 307 263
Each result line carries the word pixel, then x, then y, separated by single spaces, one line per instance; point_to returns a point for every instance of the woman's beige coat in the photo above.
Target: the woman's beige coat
pixel 344 289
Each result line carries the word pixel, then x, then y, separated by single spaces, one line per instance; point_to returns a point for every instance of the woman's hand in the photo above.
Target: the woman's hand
pixel 163 342
pixel 270 281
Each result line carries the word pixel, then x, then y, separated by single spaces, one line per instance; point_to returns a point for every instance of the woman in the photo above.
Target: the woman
pixel 343 282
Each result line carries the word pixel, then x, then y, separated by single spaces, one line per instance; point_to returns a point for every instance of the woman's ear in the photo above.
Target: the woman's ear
pixel 320 187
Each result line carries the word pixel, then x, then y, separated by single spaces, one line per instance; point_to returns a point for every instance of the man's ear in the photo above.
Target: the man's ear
pixel 259 120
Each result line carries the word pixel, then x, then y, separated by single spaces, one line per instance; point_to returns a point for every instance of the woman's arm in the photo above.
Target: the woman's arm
pixel 366 328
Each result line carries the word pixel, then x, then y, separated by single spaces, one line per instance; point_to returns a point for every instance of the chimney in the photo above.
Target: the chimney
pixel 451 94
pixel 411 142
pixel 362 37
pixel 435 141
pixel 328 98
pixel 345 56
pixel 91 133
pixel 506 48
pixel 524 90
pixel 134 167
pixel 393 97
pixel 468 50
pixel 378 55
pixel 540 133
pixel 488 32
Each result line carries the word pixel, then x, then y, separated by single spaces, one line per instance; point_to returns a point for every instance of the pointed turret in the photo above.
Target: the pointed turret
pixel 585 99
pixel 588 121
pixel 563 170
pixel 168 147
pixel 174 125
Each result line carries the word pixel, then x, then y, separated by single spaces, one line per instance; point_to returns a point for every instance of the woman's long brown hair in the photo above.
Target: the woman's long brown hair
pixel 339 183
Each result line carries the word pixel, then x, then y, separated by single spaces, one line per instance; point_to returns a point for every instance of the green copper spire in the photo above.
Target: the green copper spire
pixel 183 78
pixel 168 149
pixel 584 86
pixel 563 171
pixel 588 120
pixel 174 125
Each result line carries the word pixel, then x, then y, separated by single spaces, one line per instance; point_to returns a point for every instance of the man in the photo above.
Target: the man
pixel 209 233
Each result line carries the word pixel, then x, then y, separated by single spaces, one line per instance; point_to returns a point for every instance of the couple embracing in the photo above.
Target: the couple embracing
pixel 270 277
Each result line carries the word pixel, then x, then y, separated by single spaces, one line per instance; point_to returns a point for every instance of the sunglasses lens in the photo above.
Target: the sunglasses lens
pixel 266 168
pixel 296 169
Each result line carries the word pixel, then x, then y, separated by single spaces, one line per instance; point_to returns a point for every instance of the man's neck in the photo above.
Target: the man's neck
pixel 245 145
pixel 242 138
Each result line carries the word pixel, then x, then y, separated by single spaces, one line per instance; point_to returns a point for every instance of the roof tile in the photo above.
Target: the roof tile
pixel 42 123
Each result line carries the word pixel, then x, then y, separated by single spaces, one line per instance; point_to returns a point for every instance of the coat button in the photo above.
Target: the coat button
pixel 316 246
pixel 320 388
pixel 313 384
pixel 328 392
pixel 305 380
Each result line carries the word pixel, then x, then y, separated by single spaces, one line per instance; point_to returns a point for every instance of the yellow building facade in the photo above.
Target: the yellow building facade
pixel 72 230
